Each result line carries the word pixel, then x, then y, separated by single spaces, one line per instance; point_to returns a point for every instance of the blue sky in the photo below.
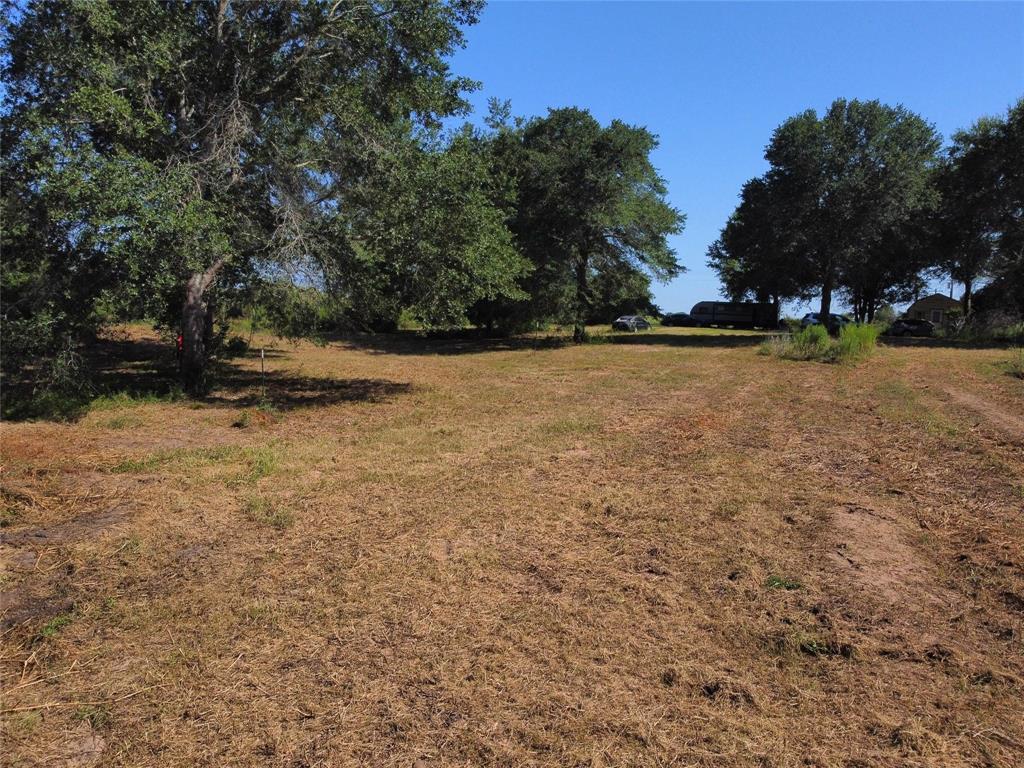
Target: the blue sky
pixel 713 80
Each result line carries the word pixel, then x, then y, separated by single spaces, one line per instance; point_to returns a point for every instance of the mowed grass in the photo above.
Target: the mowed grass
pixel 660 549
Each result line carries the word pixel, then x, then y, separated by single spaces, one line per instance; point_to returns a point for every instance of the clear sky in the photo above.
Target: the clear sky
pixel 713 80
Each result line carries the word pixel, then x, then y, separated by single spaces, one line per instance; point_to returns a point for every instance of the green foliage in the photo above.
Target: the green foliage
pixel 97 716
pixel 1015 365
pixel 979 228
pixel 809 343
pixel 588 212
pixel 434 241
pixel 856 341
pixel 150 145
pixel 838 209
pixel 53 627
pixel 781 582
pixel 751 255
pixel 260 509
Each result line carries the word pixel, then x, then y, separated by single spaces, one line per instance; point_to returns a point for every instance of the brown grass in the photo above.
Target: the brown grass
pixel 671 551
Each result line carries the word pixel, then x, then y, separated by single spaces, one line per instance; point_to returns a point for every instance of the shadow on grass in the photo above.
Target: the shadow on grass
pixel 243 387
pixel 929 342
pixel 127 371
pixel 475 342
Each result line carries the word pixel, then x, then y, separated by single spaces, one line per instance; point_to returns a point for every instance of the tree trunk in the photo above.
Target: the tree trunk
pixel 579 331
pixel 194 324
pixel 968 296
pixel 826 301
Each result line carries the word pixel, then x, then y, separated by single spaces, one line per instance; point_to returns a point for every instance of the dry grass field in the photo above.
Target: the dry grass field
pixel 665 551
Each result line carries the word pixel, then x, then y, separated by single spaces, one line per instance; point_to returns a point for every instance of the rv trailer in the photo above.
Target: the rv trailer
pixel 737 314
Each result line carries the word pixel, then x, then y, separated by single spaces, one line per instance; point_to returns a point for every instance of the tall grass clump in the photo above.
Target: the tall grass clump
pixel 813 343
pixel 810 343
pixel 856 341
pixel 1015 365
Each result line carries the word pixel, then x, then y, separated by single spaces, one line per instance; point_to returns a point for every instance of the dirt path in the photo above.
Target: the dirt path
pixel 995 415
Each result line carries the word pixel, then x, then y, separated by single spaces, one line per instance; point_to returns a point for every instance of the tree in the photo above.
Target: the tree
pixel 967 224
pixel 845 185
pixel 588 201
pixel 751 256
pixel 887 271
pixel 978 228
pixel 152 147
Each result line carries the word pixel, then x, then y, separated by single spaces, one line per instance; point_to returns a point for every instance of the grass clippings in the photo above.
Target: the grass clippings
pixel 668 550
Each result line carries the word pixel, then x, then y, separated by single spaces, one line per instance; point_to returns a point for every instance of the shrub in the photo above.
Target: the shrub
pixel 855 342
pixel 1015 365
pixel 1013 333
pixel 814 343
pixel 791 324
pixel 774 345
pixel 810 343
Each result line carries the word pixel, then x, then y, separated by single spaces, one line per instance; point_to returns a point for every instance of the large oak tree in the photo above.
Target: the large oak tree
pixel 153 148
pixel 588 211
pixel 843 188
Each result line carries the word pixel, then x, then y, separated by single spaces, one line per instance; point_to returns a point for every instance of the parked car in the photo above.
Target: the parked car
pixel 835 322
pixel 911 326
pixel 680 320
pixel 630 323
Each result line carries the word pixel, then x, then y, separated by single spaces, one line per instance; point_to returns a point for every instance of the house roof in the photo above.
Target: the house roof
pixel 936 298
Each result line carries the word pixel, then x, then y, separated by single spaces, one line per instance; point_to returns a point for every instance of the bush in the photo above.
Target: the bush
pixel 1015 365
pixel 814 343
pixel 791 324
pixel 810 343
pixel 1010 333
pixel 855 342
pixel 999 327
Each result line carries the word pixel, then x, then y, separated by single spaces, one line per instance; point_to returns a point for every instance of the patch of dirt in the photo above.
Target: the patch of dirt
pixel 21 551
pixel 1009 423
pixel 872 550
pixel 83 749
pixel 75 529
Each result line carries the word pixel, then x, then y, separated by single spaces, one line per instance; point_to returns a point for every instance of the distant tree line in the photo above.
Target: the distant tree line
pixel 175 160
pixel 863 202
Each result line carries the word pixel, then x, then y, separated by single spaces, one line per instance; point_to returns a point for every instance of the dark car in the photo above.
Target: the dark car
pixel 910 326
pixel 681 320
pixel 835 322
pixel 630 323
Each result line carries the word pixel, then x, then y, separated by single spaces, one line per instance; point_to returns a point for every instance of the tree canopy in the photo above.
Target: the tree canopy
pixel 588 211
pixel 153 148
pixel 978 230
pixel 836 204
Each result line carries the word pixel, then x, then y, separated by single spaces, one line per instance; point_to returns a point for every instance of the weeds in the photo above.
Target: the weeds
pixel 71 405
pixel 53 627
pixel 124 421
pixel 1015 365
pixel 95 716
pixel 781 582
pixel 265 413
pixel 114 400
pixel 855 342
pixel 569 426
pixel 259 462
pixel 260 509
